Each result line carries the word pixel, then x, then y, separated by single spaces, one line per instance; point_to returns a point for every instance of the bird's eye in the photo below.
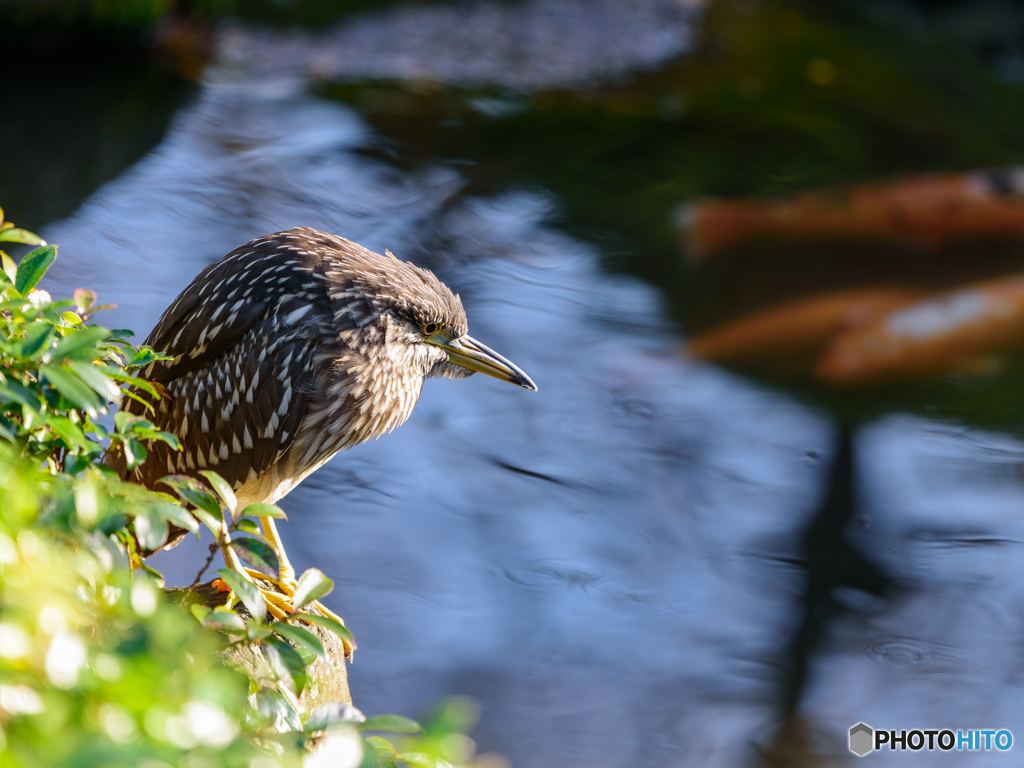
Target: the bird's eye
pixel 430 329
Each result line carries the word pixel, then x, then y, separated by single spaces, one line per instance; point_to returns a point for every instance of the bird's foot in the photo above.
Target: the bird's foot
pixel 280 604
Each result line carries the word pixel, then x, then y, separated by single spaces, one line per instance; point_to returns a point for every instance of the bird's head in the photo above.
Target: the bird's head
pixel 424 322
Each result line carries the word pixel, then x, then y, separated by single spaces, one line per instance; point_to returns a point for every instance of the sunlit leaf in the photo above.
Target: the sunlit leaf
pixel 384 748
pixel 150 528
pixel 263 510
pixel 100 384
pixel 15 235
pixel 33 267
pixel 287 662
pixel 214 523
pixel 193 492
pixel 248 526
pixel 135 452
pixel 133 381
pixel 143 358
pixel 224 620
pixel 256 631
pixel 72 388
pixel 257 555
pixel 275 708
pixel 246 591
pixel 68 431
pixel 223 489
pixel 181 517
pixel 79 344
pixel 10 269
pixel 200 611
pixel 167 437
pixel 313 585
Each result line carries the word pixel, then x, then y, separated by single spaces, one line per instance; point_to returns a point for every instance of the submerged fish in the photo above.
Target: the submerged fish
pixel 950 331
pixel 922 212
pixel 797 329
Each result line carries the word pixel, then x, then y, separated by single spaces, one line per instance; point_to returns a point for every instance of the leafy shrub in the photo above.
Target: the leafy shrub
pixel 97 665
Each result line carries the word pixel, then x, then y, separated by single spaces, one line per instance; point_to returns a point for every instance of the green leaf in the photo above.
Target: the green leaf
pixel 223 489
pixel 150 529
pixel 300 636
pixel 33 267
pixel 276 709
pixel 73 388
pixel 200 611
pixel 246 591
pixel 225 620
pixel 35 336
pixel 15 392
pixel 135 452
pixel 257 555
pixel 194 492
pixel 142 358
pixel 15 235
pixel 384 748
pixel 10 269
pixel 80 344
pixel 134 381
pixel 391 724
pixel 74 464
pixel 327 623
pixel 423 759
pixel 67 431
pixel 213 523
pixel 93 376
pixel 287 662
pixel 256 632
pixel 333 712
pixel 248 526
pixel 178 515
pixel 263 510
pixel 313 585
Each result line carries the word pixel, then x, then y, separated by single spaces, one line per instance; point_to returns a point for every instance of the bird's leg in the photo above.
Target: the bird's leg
pixel 286 576
pixel 276 606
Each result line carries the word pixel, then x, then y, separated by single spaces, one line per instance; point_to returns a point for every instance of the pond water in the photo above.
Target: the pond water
pixel 652 561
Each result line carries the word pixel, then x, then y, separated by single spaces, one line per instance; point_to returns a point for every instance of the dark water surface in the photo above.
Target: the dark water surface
pixel 652 561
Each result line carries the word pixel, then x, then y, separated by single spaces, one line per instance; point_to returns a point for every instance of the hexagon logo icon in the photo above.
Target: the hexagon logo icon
pixel 862 739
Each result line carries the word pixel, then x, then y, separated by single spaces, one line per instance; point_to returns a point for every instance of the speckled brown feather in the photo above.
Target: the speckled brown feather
pixel 281 358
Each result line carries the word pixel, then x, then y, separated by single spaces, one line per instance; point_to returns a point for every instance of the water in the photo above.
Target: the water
pixel 652 561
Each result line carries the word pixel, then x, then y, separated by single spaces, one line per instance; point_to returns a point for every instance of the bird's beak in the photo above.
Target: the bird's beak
pixel 470 353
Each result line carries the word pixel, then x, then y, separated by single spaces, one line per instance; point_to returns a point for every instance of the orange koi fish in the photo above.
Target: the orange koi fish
pixel 800 328
pixel 944 332
pixel 922 213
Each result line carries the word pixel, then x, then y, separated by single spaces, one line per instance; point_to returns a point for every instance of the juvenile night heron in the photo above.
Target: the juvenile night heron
pixel 291 348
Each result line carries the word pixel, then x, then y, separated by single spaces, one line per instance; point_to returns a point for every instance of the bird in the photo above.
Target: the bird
pixel 290 348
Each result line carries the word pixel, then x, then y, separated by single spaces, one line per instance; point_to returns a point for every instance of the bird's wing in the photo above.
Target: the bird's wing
pixel 243 340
